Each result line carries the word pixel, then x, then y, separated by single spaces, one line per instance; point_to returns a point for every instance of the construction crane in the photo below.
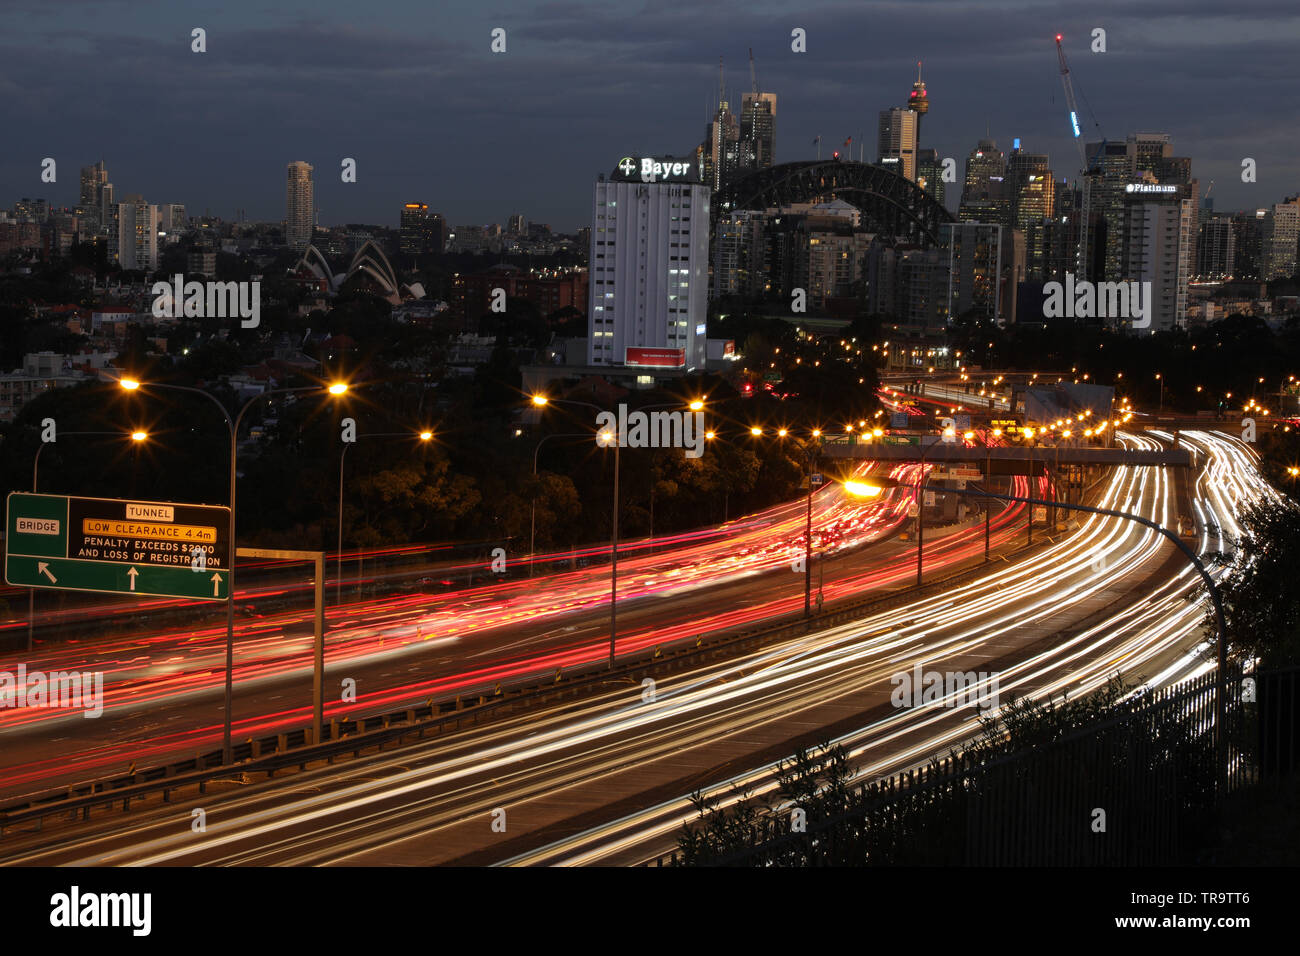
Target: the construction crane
pixel 1088 170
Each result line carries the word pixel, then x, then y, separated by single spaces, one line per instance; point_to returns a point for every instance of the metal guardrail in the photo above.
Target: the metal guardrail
pixel 1023 808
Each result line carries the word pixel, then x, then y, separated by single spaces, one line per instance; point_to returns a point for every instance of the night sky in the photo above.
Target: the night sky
pixel 412 91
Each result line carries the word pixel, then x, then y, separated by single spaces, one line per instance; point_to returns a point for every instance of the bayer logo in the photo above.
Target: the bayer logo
pixel 626 166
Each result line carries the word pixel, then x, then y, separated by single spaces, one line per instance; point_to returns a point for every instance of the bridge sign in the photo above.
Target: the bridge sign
pixel 118 547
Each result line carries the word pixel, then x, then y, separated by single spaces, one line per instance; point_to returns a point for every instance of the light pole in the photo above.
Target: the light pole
pixel 1161 379
pixel 920 515
pixel 810 451
pixel 532 508
pixel 606 438
pixel 424 436
pixel 338 388
pixel 136 436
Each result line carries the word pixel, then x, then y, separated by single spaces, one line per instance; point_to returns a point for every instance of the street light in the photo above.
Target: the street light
pixel 136 436
pixel 810 450
pixel 605 438
pixel 336 389
pixel 424 436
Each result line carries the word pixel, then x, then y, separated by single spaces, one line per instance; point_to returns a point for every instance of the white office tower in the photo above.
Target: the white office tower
pixel 137 235
pixel 1159 246
pixel 649 265
pixel 300 219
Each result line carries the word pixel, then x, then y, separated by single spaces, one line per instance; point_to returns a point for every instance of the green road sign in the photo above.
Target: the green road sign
pixel 118 547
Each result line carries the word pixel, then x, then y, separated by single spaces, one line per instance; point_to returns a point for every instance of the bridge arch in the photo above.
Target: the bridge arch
pixel 889 203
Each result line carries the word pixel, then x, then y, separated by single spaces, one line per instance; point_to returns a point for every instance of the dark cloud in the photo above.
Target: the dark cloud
pixel 412 91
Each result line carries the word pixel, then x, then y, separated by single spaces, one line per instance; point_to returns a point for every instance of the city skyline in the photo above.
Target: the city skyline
pixel 536 152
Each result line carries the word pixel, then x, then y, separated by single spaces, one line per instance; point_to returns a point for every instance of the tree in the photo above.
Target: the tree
pixel 1261 606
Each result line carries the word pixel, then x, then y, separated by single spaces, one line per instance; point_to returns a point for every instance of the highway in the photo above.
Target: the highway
pixel 605 780
pixel 163 689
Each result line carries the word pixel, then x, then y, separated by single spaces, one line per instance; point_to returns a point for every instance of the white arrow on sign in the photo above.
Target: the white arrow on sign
pixel 133 574
pixel 216 584
pixel 44 568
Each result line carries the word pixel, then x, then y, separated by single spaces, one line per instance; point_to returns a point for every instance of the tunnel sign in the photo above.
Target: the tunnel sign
pixel 118 547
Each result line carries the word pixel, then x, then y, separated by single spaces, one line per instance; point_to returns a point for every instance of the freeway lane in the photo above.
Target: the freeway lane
pixel 596 782
pixel 406 653
pixel 1163 645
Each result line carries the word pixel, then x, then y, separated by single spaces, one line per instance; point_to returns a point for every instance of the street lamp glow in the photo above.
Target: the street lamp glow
pixel 539 400
pixel 338 388
pixel 781 432
pixel 860 489
pixel 426 436
pixel 129 384
pixel 710 435
pixel 696 405
pixel 139 436
pixel 756 431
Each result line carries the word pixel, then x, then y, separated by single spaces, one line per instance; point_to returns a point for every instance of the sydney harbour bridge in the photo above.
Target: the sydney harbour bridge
pixel 890 204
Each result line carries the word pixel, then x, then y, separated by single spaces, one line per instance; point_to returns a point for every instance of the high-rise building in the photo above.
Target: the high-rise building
pixel 419 230
pixel 92 199
pixel 1032 193
pixel 1159 247
pixel 984 196
pixel 976 259
pixel 1248 238
pixel 171 218
pixel 929 174
pixel 1281 227
pixel 739 254
pixel 1142 157
pixel 1116 165
pixel 720 154
pixel 92 181
pixel 31 210
pixel 300 210
pixel 757 130
pixel 1215 248
pixel 202 260
pixel 137 235
pixel 649 265
pixel 920 289
pixel 436 227
pixel 896 142
pixel 517 225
